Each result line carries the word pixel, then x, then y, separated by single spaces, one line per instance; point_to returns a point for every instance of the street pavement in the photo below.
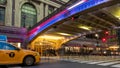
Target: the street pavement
pixel 57 62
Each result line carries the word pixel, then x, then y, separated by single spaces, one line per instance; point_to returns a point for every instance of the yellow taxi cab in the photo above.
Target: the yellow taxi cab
pixel 10 54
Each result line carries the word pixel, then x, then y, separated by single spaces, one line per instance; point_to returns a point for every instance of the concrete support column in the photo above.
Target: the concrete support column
pixel 40 14
pixel 17 13
pixel 8 13
pixel 46 10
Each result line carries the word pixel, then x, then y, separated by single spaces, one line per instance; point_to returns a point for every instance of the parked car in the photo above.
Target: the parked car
pixel 10 54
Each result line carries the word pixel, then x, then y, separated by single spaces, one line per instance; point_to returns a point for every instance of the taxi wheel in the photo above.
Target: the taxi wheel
pixel 29 60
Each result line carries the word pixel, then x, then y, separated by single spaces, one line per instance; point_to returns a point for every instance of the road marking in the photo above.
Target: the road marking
pixel 95 62
pixel 101 62
pixel 108 63
pixel 84 61
pixel 98 62
pixel 117 66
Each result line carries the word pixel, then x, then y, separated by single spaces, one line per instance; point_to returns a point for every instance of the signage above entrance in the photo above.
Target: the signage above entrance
pixel 3 38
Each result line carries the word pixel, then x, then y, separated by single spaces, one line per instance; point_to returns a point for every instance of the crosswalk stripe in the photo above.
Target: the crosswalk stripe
pixel 84 61
pixel 109 63
pixel 98 62
pixel 117 66
pixel 101 63
pixel 71 60
pixel 95 62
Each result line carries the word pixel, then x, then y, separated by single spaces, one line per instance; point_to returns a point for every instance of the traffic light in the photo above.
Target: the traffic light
pixel 104 39
pixel 106 32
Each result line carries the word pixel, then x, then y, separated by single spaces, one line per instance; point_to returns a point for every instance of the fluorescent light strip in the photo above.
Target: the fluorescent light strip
pixel 83 27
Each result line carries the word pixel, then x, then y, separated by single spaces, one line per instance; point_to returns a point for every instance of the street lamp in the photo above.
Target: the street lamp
pixel 97 37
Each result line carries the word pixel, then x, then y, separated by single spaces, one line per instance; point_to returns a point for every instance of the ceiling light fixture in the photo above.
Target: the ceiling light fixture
pixel 85 27
pixel 65 34
pixel 51 37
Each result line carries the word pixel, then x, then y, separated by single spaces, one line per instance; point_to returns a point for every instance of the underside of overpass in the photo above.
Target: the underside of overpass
pixel 102 17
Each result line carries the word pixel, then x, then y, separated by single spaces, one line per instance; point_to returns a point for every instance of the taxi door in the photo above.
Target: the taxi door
pixel 8 53
pixel 6 57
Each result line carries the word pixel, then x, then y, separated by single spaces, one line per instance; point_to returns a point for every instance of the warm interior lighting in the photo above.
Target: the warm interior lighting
pixel 114 47
pixel 115 11
pixel 117 17
pixel 51 37
pixel 85 27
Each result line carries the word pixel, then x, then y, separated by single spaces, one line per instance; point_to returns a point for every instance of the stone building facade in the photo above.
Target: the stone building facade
pixel 19 13
pixel 16 16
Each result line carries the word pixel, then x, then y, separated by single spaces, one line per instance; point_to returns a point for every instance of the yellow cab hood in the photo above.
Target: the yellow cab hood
pixel 28 51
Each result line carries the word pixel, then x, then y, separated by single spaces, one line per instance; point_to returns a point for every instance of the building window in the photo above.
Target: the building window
pixel 50 9
pixel 28 15
pixel 3 2
pixel 2 15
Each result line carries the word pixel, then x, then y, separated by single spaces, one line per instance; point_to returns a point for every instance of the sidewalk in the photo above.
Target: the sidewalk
pixel 81 58
pixel 91 58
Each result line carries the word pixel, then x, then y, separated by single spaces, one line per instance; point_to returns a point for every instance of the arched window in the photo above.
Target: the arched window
pixel 2 15
pixel 28 15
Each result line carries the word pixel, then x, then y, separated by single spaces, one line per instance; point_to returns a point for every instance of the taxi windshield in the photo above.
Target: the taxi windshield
pixel 7 46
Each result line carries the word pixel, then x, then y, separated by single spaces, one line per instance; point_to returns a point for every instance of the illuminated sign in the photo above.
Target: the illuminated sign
pixel 3 38
pixel 78 7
